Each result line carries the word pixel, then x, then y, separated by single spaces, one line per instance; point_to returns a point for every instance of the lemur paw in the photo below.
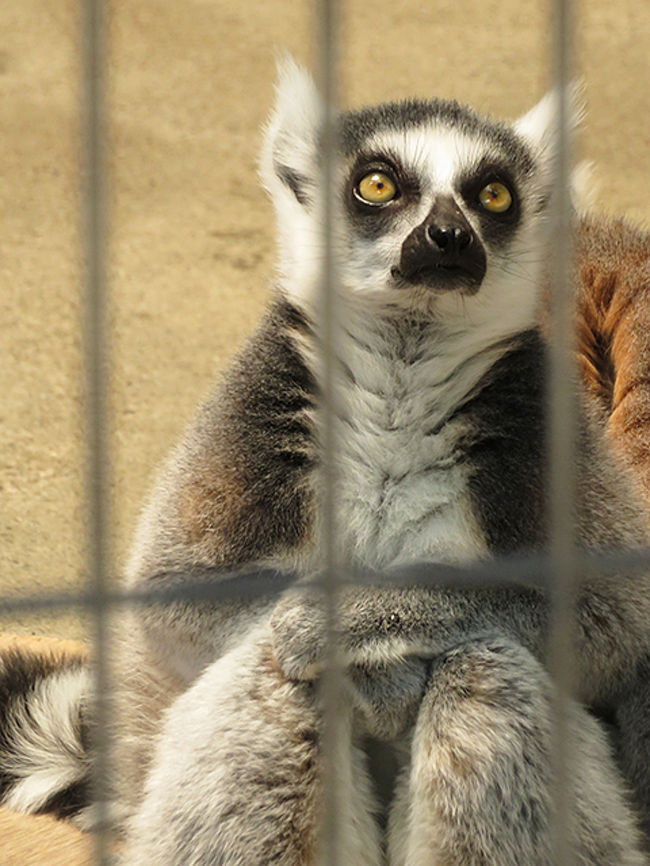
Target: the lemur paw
pixel 388 696
pixel 299 636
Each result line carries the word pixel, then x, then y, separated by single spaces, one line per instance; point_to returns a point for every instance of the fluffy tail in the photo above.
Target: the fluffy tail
pixel 613 331
pixel 45 762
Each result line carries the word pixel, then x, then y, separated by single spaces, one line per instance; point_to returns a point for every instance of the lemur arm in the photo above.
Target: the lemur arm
pixel 233 498
pixel 376 625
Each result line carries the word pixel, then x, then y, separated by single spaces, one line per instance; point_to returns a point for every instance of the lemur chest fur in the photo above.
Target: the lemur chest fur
pixel 403 492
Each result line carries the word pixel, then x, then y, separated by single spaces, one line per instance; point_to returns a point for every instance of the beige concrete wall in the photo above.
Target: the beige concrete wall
pixel 191 233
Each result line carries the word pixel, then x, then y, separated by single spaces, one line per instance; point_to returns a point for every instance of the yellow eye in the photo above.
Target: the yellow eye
pixel 495 197
pixel 376 188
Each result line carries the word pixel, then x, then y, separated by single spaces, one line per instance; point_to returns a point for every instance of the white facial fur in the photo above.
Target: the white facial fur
pixel 402 493
pixel 506 302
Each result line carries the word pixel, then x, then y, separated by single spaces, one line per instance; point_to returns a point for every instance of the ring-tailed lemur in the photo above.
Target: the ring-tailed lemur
pixel 441 268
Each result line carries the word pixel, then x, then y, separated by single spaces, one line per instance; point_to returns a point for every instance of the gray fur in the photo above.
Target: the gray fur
pixel 631 735
pixel 250 741
pixel 428 396
pixel 358 126
pixel 478 787
pixel 441 458
pixel 237 775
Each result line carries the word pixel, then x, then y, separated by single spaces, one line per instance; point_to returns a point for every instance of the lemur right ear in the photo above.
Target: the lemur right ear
pixel 289 154
pixel 539 125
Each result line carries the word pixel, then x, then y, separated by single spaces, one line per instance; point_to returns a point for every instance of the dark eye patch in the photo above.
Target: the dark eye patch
pixel 372 220
pixel 496 228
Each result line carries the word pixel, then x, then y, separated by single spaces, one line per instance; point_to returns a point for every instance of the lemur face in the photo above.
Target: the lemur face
pixel 431 202
pixel 440 210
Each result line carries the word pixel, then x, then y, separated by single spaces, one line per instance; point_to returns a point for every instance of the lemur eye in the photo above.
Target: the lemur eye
pixel 376 188
pixel 495 197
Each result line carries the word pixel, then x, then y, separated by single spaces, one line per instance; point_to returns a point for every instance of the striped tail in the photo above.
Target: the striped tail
pixel 45 762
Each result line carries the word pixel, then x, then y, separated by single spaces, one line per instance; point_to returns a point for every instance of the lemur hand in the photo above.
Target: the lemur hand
pixel 385 688
pixel 299 635
pixel 373 626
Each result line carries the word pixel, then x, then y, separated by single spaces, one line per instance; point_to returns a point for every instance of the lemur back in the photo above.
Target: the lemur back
pixel 440 366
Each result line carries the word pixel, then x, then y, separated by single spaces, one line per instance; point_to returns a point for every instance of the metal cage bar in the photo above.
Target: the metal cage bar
pixel 332 565
pixel 503 571
pixel 555 569
pixel 96 360
pixel 562 431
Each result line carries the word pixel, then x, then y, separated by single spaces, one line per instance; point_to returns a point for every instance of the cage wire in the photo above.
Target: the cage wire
pixel 562 431
pixel 556 569
pixel 95 239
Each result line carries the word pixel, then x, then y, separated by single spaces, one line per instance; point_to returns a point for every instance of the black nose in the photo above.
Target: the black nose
pixel 443 252
pixel 450 240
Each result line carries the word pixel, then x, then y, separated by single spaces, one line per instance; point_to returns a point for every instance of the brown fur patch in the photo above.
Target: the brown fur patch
pixel 613 334
pixel 271 665
pixel 53 648
pixel 269 694
pixel 211 503
pixel 456 759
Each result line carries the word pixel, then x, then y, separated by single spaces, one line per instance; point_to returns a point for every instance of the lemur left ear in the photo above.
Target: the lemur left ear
pixel 539 125
pixel 289 153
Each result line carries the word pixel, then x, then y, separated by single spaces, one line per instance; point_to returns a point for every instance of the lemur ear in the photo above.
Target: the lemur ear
pixel 289 154
pixel 539 125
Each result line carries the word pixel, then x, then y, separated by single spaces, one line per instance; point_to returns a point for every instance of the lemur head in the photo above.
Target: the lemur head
pixel 440 211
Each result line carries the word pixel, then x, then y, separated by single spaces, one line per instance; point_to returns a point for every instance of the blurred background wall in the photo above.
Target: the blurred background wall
pixel 191 234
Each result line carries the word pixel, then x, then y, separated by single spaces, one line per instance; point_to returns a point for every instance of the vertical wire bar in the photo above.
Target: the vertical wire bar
pixel 95 357
pixel 562 435
pixel 327 19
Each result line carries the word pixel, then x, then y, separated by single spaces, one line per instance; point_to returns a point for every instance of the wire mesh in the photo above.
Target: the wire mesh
pixel 554 569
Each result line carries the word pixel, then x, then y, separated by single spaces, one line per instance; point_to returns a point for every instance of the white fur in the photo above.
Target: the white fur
pixel 291 139
pixel 207 728
pixel 402 495
pixel 539 125
pixel 436 154
pixel 43 767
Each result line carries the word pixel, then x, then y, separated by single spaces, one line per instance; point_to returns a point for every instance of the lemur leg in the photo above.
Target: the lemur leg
pixel 479 787
pixel 632 729
pixel 237 778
